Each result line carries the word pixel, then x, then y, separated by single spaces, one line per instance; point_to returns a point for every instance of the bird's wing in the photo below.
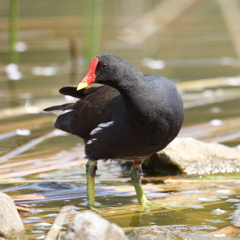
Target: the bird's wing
pixel 96 105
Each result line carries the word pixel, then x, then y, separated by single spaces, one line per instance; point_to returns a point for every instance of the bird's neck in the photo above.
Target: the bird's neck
pixel 137 101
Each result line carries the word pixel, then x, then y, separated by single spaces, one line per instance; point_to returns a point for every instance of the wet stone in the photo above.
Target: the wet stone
pixel 153 233
pixel 88 226
pixel 191 156
pixel 162 233
pixel 197 157
pixel 11 223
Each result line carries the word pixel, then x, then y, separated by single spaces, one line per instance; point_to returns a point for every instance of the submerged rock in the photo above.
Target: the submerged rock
pixel 153 233
pixel 191 156
pixel 162 233
pixel 90 226
pixel 11 226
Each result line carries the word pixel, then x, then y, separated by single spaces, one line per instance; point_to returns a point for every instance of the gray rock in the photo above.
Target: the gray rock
pixel 191 156
pixel 153 233
pixel 162 233
pixel 11 226
pixel 196 157
pixel 90 226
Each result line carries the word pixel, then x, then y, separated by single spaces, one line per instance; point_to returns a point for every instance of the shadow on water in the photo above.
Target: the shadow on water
pixel 195 40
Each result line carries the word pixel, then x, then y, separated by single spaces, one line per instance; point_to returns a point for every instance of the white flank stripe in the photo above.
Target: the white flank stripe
pixel 100 127
pixel 91 141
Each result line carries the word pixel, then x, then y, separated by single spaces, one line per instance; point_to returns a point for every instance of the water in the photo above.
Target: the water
pixel 194 43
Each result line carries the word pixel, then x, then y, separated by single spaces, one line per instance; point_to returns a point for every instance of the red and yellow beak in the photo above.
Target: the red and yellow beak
pixel 90 76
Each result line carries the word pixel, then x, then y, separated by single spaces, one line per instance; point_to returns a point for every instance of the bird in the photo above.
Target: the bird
pixel 129 116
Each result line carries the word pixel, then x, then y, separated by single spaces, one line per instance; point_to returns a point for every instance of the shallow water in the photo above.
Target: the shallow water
pixel 195 43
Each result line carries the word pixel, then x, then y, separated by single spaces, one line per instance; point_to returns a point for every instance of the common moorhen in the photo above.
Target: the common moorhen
pixel 130 117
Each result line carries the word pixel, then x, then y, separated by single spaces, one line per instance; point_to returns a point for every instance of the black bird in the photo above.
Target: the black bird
pixel 130 117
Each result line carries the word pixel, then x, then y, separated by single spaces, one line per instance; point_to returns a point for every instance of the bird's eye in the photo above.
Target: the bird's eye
pixel 104 65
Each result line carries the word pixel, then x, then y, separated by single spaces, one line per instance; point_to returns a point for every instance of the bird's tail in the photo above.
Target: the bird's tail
pixel 64 113
pixel 60 109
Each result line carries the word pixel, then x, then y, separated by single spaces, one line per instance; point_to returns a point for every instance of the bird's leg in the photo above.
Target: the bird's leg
pixel 91 168
pixel 136 174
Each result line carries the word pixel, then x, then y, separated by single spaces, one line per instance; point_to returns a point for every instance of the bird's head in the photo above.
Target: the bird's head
pixel 105 69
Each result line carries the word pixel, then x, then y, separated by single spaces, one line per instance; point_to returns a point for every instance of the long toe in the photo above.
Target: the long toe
pixel 95 210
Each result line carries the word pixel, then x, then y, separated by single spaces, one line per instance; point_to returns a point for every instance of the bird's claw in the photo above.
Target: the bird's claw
pixel 148 204
pixel 93 208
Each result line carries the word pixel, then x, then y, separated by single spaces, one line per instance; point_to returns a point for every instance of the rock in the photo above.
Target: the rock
pixel 11 226
pixel 196 157
pixel 153 233
pixel 237 147
pixel 90 226
pixel 162 233
pixel 191 156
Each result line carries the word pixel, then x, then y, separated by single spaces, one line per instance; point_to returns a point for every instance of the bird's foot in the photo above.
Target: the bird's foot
pixel 148 204
pixel 147 207
pixel 93 208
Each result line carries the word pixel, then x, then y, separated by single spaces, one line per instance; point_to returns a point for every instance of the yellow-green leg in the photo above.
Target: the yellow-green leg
pixel 91 168
pixel 136 174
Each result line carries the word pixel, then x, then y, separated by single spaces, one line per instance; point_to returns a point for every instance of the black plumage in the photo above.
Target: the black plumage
pixel 131 116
